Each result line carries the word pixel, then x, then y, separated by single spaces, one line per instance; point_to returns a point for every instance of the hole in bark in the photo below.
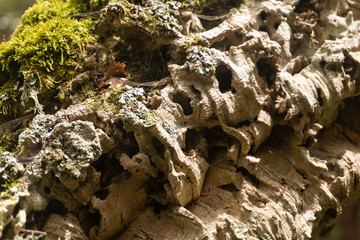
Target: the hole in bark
pixel 159 146
pixel 102 193
pixel 55 206
pixel 219 8
pixel 234 39
pixel 36 219
pixel 5 231
pixel 229 187
pixel 215 136
pixel 184 102
pixel 51 107
pixel 267 70
pixel 276 25
pixel 100 164
pixel 209 24
pixel 158 207
pixel 245 123
pixel 218 143
pixel 156 190
pixel 356 181
pixel 333 168
pixel 253 179
pixel 132 148
pixel 351 67
pixel 192 139
pixel 109 166
pixel 195 90
pixel 223 45
pixel 224 77
pixel 323 64
pixel 319 97
pixel 264 29
pixel 16 210
pixel 303 6
pixel 213 117
pixel 309 141
pixel 120 125
pixel 88 219
pixel 330 213
pixel 217 154
pixel 47 190
pixel 128 141
pixel 263 15
pixel 304 188
pixel 302 173
pixel 142 60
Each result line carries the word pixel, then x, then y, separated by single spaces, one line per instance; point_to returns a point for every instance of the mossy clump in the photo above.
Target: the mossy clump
pixel 9 141
pixel 10 187
pixel 89 5
pixel 10 175
pixel 44 52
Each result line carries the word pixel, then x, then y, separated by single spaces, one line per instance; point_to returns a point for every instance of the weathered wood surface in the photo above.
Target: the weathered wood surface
pixel 256 136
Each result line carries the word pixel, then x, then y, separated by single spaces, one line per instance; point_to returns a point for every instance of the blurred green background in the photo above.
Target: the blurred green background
pixel 10 15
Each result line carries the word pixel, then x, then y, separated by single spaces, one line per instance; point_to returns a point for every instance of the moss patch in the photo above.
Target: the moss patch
pixel 9 142
pixel 10 187
pixel 44 52
pixel 89 5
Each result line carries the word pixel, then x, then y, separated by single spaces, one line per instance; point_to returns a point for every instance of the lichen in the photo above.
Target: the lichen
pixel 203 60
pixel 154 19
pixel 72 147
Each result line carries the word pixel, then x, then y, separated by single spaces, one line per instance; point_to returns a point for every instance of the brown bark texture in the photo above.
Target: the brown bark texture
pixel 253 133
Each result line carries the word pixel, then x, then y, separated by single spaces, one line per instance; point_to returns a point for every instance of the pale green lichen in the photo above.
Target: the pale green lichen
pixel 127 103
pixel 133 110
pixel 73 146
pixel 204 60
pixel 156 18
pixel 39 130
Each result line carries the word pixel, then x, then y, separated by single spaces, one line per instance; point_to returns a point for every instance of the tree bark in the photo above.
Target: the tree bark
pixel 255 134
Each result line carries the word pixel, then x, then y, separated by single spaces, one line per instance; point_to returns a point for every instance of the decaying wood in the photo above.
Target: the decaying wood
pixel 256 135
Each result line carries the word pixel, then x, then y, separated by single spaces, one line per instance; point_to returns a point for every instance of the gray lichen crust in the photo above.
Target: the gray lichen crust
pixel 241 122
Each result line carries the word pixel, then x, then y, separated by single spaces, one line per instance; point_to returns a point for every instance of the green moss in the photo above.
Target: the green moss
pixel 44 53
pixel 97 104
pixel 10 187
pixel 193 5
pixel 89 5
pixel 114 95
pixel 7 98
pixel 9 142
pixel 43 11
pixel 195 41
